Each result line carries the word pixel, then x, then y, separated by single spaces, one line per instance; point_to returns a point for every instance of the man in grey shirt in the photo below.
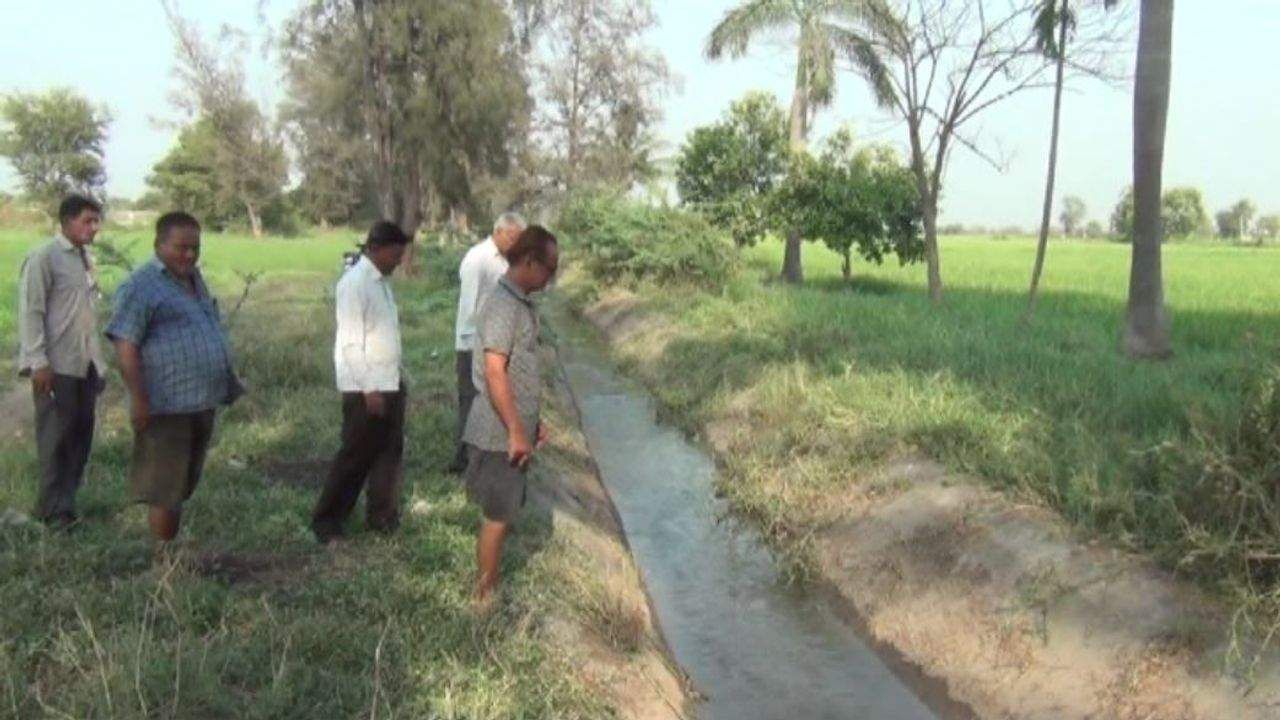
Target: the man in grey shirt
pixel 503 427
pixel 58 349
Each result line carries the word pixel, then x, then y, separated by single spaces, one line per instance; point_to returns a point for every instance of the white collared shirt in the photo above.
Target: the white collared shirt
pixel 481 267
pixel 366 352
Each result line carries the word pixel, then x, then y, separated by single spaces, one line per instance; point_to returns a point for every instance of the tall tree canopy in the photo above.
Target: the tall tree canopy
pixel 826 32
pixel 55 142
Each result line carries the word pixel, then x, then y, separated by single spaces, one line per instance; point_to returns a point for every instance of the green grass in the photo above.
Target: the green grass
pixel 255 620
pixel 821 381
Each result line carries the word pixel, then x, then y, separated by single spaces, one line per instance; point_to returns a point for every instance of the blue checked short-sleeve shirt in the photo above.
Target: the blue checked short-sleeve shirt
pixel 186 356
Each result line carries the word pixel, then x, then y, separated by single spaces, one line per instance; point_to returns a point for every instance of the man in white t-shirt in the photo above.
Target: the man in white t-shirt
pixel 481 267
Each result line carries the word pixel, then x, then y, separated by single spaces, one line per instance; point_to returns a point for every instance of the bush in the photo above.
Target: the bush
pixel 622 240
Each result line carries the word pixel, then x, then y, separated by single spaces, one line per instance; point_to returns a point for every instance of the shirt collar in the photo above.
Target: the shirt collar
pixel 366 266
pixel 157 266
pixel 63 242
pixel 514 289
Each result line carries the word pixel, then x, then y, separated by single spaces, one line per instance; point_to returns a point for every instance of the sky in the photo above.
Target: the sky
pixel 1223 135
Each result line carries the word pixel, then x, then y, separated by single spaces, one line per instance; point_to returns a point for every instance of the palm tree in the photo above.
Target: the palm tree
pixel 1055 19
pixel 1147 324
pixel 827 29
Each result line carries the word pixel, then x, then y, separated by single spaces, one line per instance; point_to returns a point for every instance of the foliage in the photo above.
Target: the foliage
pixel 1073 215
pixel 727 170
pixel 381 80
pixel 1237 220
pixel 1181 211
pixel 616 239
pixel 55 142
pixel 599 88
pixel 860 199
pixel 245 153
pixel 186 179
pixel 1269 227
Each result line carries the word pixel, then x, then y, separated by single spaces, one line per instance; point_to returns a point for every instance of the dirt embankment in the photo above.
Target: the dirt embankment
pixel 1016 614
pixel 610 633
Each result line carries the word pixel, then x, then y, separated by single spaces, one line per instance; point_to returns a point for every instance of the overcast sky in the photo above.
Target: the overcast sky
pixel 1224 128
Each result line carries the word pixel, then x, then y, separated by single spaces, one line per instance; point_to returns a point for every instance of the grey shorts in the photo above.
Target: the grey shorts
pixel 494 485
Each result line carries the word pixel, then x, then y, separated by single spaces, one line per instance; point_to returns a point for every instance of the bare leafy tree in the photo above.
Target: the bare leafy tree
pixel 949 63
pixel 599 88
pixel 826 31
pixel 1073 216
pixel 1146 334
pixel 249 157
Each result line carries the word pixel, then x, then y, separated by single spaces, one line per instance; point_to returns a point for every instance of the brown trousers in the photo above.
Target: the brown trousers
pixel 372 451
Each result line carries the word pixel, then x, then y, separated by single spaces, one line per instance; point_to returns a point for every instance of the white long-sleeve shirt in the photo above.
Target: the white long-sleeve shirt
pixel 481 267
pixel 366 352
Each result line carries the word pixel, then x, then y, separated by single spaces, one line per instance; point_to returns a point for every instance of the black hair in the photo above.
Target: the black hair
pixel 385 232
pixel 534 242
pixel 73 205
pixel 175 219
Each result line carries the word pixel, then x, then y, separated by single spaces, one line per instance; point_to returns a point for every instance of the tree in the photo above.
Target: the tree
pixel 599 91
pixel 1056 20
pixel 826 31
pixel 727 170
pixel 1182 214
pixel 1074 214
pixel 248 155
pixel 429 93
pixel 850 198
pixel 55 142
pixel 1146 334
pixel 186 178
pixel 1237 220
pixel 1094 230
pixel 950 62
pixel 1268 227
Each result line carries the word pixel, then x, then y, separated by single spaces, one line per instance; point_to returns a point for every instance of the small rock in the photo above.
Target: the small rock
pixel 14 518
pixel 420 508
pixel 237 464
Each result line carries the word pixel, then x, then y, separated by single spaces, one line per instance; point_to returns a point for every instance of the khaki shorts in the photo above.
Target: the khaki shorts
pixel 494 485
pixel 168 458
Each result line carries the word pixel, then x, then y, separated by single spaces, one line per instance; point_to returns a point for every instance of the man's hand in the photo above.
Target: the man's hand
pixel 543 435
pixel 374 404
pixel 139 413
pixel 42 381
pixel 519 451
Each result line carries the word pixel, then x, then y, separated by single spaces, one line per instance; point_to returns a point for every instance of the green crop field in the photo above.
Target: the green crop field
pixel 1172 458
pixel 254 619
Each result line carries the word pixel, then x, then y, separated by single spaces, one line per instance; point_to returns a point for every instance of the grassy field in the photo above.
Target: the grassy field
pixel 254 620
pixel 1179 459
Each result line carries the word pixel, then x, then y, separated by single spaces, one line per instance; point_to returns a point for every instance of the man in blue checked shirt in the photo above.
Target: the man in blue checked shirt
pixel 176 363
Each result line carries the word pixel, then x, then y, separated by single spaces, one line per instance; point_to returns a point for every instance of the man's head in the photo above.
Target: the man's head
pixel 178 243
pixel 80 218
pixel 506 229
pixel 385 246
pixel 534 259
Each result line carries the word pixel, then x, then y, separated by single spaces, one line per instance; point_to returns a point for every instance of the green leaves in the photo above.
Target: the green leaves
pixel 55 141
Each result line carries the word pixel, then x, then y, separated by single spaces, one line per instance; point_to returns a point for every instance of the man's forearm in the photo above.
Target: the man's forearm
pixel 502 397
pixel 131 368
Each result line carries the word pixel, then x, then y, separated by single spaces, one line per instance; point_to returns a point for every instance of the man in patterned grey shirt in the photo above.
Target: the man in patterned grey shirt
pixel 58 349
pixel 503 428
pixel 176 362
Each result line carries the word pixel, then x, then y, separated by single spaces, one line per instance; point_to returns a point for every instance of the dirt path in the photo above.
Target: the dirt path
pixel 1019 616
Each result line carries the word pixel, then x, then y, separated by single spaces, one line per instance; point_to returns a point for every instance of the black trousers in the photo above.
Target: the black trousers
pixel 64 436
pixel 467 393
pixel 372 451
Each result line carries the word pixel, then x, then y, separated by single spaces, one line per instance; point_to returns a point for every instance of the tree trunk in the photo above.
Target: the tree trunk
pixel 255 219
pixel 377 111
pixel 1147 325
pixel 931 256
pixel 792 265
pixel 846 268
pixel 1046 217
pixel 410 218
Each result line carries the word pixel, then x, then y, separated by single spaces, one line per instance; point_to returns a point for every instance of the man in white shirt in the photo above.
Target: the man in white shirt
pixel 366 356
pixel 481 267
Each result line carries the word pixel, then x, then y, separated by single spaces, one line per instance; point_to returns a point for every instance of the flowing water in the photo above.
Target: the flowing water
pixel 753 645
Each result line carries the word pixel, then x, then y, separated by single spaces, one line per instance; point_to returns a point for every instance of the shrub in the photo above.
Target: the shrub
pixel 617 239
